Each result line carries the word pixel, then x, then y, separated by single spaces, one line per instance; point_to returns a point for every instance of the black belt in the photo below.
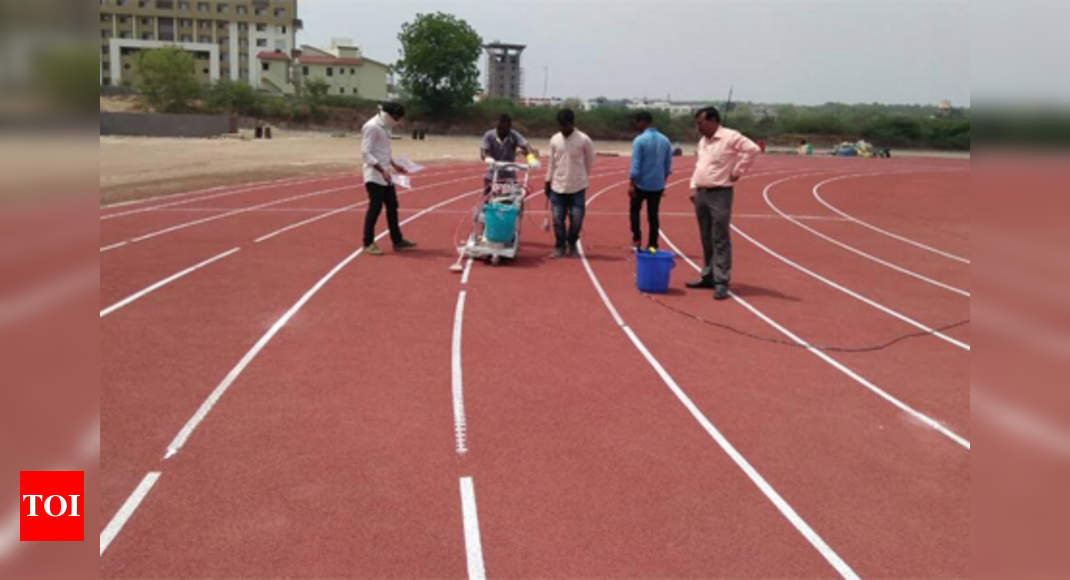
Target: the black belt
pixel 718 188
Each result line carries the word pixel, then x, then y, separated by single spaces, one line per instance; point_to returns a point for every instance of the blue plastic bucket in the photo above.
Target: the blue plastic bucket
pixel 652 271
pixel 500 222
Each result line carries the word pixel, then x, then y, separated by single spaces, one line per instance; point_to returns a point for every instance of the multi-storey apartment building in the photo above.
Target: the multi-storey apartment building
pixel 225 36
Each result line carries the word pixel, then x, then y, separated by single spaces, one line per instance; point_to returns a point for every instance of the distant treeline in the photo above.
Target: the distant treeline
pixel 910 126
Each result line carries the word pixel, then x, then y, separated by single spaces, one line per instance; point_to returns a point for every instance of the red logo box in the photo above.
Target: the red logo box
pixel 51 506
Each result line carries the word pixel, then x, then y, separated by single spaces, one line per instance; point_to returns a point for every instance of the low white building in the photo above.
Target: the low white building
pixel 542 102
pixel 344 68
pixel 675 110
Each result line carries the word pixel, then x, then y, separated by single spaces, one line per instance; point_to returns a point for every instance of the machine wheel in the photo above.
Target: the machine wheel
pixel 495 260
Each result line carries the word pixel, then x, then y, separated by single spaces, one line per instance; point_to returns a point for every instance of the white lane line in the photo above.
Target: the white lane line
pixel 854 250
pixel 756 478
pixel 460 421
pixel 1026 426
pixel 353 206
pixel 9 533
pixel 130 202
pixel 187 430
pixel 847 291
pixel 47 294
pixel 84 449
pixel 349 207
pixel 816 218
pixel 852 293
pixel 923 418
pixel 235 212
pixel 120 518
pixel 749 470
pixel 107 206
pixel 766 216
pixel 267 183
pixel 229 192
pixel 473 545
pixel 305 222
pixel 217 393
pixel 817 195
pixel 539 192
pixel 287 210
pixel 672 183
pixel 112 247
pixel 467 271
pixel 258 184
pixel 456 382
pixel 164 282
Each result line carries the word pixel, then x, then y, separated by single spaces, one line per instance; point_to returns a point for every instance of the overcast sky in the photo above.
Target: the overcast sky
pixel 804 52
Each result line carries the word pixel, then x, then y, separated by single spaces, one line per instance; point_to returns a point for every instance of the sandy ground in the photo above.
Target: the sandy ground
pixel 136 167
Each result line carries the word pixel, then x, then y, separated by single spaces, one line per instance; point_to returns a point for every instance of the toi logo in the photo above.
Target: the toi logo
pixel 51 506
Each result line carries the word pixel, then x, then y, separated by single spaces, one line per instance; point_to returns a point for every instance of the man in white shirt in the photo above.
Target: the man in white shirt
pixel 378 180
pixel 571 161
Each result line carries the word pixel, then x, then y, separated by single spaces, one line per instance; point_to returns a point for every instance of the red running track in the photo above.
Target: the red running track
pixel 333 449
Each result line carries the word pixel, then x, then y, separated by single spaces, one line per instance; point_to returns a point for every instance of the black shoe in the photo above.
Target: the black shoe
pixel 720 292
pixel 404 245
pixel 571 252
pixel 701 283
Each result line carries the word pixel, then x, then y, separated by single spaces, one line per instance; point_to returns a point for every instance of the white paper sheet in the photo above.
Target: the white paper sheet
pixel 409 165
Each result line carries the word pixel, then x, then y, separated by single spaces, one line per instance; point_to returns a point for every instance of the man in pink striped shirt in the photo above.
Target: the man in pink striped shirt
pixel 724 155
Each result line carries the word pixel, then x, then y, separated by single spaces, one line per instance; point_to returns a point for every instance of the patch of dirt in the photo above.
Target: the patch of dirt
pixel 139 167
pixel 122 104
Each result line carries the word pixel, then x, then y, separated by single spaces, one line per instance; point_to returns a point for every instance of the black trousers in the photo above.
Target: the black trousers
pixel 379 195
pixel 653 201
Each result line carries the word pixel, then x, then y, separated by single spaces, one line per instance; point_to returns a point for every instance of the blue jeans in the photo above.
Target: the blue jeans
pixel 574 205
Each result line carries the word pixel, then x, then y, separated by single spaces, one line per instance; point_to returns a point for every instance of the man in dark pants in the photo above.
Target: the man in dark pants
pixel 651 166
pixel 571 160
pixel 501 144
pixel 378 180
pixel 724 155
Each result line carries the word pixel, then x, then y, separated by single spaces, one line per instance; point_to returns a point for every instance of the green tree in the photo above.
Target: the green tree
pixel 895 130
pixel 438 63
pixel 315 98
pixel 232 97
pixel 166 77
pixel 572 103
pixel 316 91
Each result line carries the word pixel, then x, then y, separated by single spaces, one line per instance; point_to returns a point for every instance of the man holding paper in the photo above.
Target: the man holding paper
pixel 379 178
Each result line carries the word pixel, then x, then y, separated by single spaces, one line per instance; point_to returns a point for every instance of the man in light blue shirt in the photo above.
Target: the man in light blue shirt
pixel 651 166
